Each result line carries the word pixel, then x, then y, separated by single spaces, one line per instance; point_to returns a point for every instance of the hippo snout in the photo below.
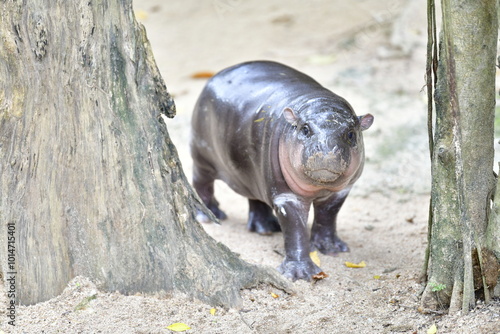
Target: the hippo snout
pixel 327 167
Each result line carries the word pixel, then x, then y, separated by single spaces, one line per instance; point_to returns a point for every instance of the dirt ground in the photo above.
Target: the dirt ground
pixel 372 53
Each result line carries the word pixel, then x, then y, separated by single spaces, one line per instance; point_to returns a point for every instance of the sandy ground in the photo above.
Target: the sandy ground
pixel 373 54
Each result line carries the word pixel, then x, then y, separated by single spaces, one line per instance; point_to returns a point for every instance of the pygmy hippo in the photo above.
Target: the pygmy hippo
pixel 279 138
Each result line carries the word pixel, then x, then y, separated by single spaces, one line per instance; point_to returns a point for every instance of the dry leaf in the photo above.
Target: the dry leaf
pixel 274 295
pixel 432 330
pixel 141 15
pixel 202 75
pixel 315 258
pixel 322 59
pixel 362 264
pixel 259 120
pixel 212 311
pixel 178 327
pixel 320 275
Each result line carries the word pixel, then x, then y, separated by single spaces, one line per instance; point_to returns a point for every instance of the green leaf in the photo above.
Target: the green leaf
pixel 85 302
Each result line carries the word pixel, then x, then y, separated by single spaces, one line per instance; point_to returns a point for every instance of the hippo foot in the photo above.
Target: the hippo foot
pixel 295 270
pixel 214 207
pixel 329 246
pixel 202 218
pixel 218 213
pixel 263 225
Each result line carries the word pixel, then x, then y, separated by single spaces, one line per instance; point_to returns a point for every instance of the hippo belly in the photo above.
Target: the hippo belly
pixel 279 138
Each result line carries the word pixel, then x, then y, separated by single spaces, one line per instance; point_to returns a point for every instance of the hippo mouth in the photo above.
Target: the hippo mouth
pixel 323 175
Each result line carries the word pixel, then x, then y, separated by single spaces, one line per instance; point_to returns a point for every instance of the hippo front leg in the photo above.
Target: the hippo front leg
pixel 292 216
pixel 324 230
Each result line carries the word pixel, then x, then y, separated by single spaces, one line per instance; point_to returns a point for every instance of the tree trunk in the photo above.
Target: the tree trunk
pixel 91 183
pixel 462 157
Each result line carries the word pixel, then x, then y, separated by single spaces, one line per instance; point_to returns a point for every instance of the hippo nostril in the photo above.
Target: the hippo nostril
pixel 333 143
pixel 335 151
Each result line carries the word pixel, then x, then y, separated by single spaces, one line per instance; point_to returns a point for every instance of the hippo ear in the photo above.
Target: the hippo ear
pixel 366 121
pixel 290 116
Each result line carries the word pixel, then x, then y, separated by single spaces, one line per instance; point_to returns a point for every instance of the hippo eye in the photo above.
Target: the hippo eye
pixel 351 136
pixel 306 130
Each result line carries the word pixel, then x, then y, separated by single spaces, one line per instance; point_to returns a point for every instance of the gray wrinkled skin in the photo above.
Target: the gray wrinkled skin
pixel 279 138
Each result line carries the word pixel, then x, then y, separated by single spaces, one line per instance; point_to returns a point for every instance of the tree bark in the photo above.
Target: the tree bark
pixel 462 156
pixel 91 183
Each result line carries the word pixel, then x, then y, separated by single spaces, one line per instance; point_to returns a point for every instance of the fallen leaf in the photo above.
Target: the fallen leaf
pixel 155 9
pixel 212 311
pixel 322 59
pixel 85 302
pixel 432 330
pixel 202 75
pixel 362 264
pixel 259 120
pixel 141 15
pixel 178 327
pixel 376 277
pixel 315 258
pixel 320 275
pixel 283 19
pixel 274 295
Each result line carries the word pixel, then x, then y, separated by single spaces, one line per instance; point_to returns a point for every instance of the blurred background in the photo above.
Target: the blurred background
pixel 371 52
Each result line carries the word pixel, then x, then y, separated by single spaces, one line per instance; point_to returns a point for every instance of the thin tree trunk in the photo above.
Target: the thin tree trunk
pixel 89 178
pixel 462 154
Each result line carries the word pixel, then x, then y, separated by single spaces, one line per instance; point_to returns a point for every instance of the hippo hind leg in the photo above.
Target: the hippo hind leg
pixel 261 218
pixel 203 183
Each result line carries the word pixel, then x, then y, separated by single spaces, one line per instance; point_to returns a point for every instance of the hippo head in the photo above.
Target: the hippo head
pixel 322 146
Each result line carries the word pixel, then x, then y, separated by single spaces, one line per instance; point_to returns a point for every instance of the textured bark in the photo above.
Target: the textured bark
pixel 462 154
pixel 88 175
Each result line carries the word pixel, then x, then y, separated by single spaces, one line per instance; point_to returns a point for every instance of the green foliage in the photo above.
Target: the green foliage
pixel 435 287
